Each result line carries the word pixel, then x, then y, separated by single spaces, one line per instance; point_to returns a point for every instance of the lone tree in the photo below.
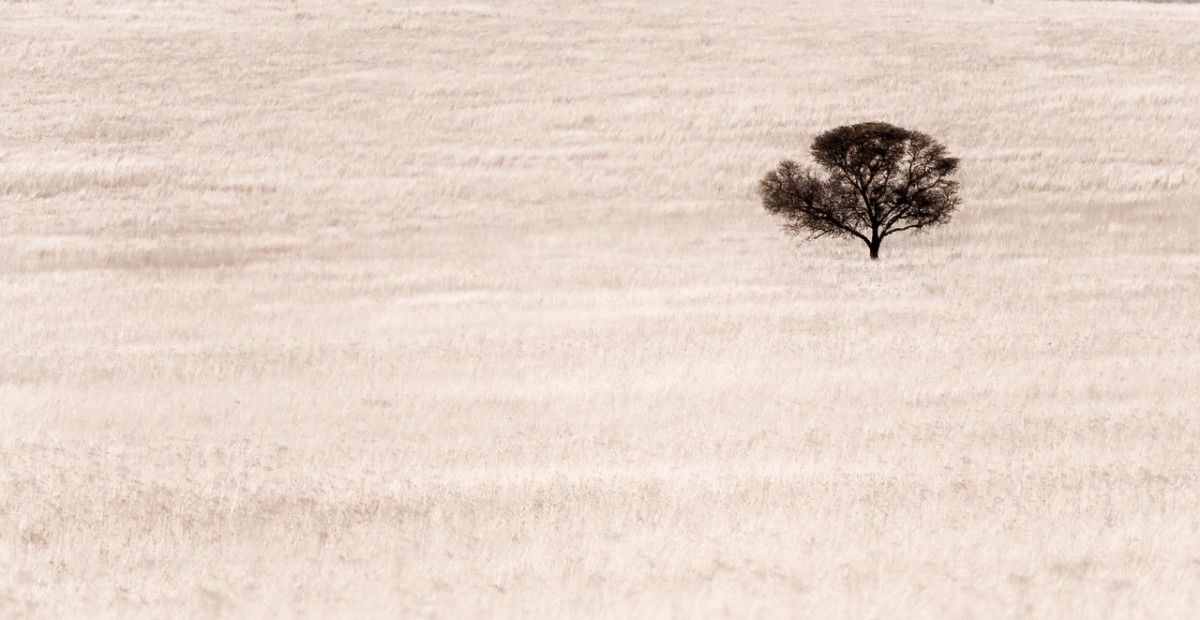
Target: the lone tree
pixel 876 180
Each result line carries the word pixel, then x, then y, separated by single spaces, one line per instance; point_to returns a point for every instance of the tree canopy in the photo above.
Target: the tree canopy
pixel 875 180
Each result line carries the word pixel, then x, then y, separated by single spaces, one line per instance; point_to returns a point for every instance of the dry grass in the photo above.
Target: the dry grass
pixel 468 309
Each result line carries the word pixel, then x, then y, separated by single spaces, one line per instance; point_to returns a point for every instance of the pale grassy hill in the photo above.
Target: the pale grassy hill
pixel 469 309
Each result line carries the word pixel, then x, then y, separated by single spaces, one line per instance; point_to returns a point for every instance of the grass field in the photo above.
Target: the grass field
pixel 385 309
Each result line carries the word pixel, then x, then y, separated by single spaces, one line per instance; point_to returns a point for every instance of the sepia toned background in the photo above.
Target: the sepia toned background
pixel 450 309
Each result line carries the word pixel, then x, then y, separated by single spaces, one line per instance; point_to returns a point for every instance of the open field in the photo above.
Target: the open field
pixel 385 309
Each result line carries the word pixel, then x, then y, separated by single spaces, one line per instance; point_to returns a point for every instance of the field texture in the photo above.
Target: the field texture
pixel 394 309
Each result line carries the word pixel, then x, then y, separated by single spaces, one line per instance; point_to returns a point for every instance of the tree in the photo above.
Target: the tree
pixel 876 180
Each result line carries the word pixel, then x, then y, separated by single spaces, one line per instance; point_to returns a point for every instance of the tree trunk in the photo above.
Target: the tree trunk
pixel 874 245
